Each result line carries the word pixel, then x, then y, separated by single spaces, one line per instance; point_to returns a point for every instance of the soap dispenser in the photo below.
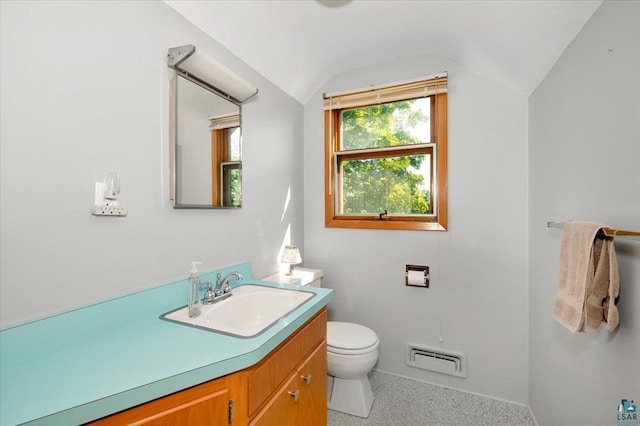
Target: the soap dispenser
pixel 194 291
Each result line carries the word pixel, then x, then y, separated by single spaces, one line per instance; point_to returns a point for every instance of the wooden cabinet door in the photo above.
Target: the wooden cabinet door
pixel 270 373
pixel 282 409
pixel 202 405
pixel 312 381
pixel 209 410
pixel 303 399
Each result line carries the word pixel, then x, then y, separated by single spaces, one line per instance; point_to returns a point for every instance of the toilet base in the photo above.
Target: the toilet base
pixel 350 396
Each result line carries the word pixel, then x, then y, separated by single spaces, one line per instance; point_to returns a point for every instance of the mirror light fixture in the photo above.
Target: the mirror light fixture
pixel 291 255
pixel 209 74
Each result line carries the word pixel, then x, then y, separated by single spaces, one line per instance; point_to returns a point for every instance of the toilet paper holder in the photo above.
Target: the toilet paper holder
pixel 416 276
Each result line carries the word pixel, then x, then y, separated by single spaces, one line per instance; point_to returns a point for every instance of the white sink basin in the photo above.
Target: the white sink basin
pixel 251 310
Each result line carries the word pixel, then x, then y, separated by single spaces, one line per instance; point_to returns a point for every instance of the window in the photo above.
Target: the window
pixel 225 161
pixel 386 157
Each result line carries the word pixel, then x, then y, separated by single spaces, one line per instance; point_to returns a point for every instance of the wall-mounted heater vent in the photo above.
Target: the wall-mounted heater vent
pixel 436 359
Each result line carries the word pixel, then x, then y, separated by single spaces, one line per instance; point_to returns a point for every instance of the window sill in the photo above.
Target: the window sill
pixel 390 224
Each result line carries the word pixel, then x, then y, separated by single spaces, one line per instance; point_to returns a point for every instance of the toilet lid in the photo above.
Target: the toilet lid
pixel 349 336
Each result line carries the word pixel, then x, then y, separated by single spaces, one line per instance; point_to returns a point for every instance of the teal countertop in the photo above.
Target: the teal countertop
pixel 88 363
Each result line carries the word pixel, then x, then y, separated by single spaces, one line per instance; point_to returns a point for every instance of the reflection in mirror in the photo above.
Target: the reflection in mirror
pixel 207 148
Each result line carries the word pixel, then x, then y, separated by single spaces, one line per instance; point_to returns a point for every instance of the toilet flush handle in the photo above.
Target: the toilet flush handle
pixel 307 378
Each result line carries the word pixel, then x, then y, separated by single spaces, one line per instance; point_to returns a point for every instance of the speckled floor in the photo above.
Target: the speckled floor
pixel 405 402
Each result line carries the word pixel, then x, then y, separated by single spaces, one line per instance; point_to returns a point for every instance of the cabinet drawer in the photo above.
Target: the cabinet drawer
pixel 270 373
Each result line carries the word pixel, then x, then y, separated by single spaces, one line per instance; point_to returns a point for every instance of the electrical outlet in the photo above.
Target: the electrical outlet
pixel 108 210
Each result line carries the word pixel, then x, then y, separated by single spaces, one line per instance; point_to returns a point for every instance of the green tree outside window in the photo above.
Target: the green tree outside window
pixel 399 184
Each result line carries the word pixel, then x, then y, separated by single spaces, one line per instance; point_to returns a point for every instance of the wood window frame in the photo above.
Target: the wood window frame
pixel 435 222
pixel 219 154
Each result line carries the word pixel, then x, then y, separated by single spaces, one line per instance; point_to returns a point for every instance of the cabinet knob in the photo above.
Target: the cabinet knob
pixel 295 395
pixel 307 378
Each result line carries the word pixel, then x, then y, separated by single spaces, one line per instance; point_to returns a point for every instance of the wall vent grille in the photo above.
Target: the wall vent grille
pixel 436 359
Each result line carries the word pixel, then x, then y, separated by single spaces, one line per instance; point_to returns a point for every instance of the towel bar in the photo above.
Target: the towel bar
pixel 609 232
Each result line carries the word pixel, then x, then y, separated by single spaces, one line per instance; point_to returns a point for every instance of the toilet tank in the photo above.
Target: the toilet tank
pixel 309 277
pixel 302 276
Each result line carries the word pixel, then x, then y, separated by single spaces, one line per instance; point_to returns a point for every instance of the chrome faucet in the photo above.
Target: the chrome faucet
pixel 222 286
pixel 222 289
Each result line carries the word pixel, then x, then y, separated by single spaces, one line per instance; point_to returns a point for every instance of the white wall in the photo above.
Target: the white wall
pixel 478 295
pixel 584 161
pixel 85 90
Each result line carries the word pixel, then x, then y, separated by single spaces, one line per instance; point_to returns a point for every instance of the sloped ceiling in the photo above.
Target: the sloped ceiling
pixel 300 44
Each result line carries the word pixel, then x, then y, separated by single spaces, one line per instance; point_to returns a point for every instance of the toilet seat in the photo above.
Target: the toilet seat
pixel 350 339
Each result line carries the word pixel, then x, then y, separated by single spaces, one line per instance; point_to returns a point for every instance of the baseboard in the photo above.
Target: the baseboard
pixel 463 391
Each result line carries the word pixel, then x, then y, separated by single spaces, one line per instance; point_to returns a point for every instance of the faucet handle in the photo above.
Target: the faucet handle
pixel 207 299
pixel 218 289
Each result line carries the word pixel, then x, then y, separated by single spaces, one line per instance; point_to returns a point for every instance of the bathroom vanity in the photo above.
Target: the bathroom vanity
pixel 254 396
pixel 117 362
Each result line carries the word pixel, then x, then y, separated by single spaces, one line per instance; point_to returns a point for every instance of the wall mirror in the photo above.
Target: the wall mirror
pixel 207 149
pixel 206 131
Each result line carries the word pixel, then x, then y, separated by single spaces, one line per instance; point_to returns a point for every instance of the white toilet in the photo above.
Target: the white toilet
pixel 352 351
